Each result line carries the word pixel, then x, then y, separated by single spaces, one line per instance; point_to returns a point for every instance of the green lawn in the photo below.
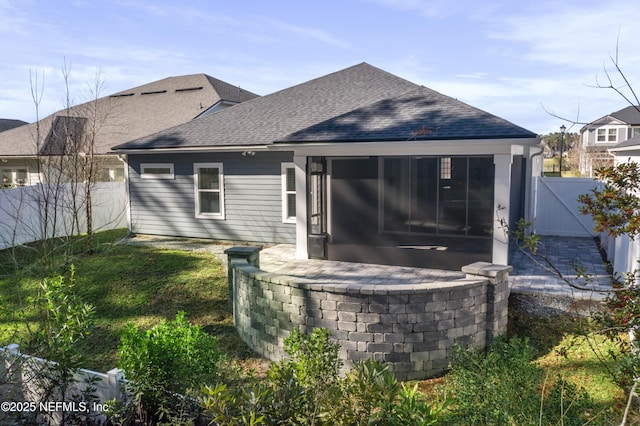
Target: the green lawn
pixel 128 284
pixel 567 346
pixel 142 285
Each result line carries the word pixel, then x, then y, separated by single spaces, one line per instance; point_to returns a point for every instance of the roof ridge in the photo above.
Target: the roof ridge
pixel 216 82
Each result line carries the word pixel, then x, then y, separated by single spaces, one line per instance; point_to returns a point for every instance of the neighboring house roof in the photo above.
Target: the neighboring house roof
pixel 7 123
pixel 123 116
pixel 629 144
pixel 361 102
pixel 630 115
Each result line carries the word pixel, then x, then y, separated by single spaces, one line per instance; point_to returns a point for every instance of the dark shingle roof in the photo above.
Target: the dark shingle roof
pixel 635 142
pixel 127 114
pixel 6 124
pixel 420 114
pixel 630 115
pixel 270 118
pixel 360 103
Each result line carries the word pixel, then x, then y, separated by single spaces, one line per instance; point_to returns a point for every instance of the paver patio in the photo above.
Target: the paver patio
pixel 528 277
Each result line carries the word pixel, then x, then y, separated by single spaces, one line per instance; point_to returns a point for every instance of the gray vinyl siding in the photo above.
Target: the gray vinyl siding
pixel 252 198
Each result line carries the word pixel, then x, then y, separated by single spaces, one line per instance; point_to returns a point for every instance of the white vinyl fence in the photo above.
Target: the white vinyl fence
pixel 622 252
pixel 23 387
pixel 556 206
pixel 555 202
pixel 32 213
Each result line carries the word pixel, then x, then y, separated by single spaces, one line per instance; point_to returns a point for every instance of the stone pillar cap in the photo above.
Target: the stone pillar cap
pixel 242 250
pixel 486 269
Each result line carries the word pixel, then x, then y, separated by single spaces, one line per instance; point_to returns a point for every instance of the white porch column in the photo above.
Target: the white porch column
pixel 300 162
pixel 501 198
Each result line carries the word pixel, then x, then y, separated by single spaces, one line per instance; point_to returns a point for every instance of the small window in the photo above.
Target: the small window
pixel 118 174
pixel 445 168
pixel 112 174
pixel 607 135
pixel 157 171
pixel 13 177
pixel 209 190
pixel 288 193
pixel 21 176
pixel 7 177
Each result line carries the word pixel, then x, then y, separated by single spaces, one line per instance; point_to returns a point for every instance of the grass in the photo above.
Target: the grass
pixel 128 284
pixel 142 285
pixel 567 346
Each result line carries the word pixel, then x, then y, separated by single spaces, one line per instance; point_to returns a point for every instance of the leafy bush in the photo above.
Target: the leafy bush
pixel 503 386
pixel 64 321
pixel 167 363
pixel 314 360
pixel 307 389
pixel 372 395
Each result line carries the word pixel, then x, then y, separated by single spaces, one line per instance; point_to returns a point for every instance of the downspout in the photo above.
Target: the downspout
pixel 533 210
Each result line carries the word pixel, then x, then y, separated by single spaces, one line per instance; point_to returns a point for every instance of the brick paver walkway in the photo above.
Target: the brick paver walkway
pixel 531 275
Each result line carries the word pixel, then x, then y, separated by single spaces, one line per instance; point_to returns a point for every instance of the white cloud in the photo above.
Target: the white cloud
pixel 579 35
pixel 432 8
pixel 311 33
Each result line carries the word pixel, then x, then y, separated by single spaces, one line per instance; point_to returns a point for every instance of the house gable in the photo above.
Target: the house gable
pixel 605 133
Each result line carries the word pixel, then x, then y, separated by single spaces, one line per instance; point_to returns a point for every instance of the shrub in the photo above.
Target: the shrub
pixel 170 359
pixel 306 388
pixel 64 321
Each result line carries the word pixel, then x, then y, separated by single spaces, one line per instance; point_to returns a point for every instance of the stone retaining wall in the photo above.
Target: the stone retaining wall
pixel 411 327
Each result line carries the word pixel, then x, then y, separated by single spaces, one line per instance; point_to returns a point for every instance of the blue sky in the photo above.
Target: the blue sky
pixel 510 58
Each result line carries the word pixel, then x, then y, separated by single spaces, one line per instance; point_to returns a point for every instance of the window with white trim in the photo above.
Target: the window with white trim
pixel 14 176
pixel 209 190
pixel 112 174
pixel 607 135
pixel 288 193
pixel 156 171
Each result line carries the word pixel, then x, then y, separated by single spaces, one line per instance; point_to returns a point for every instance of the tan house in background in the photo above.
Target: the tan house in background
pixel 28 152
pixel 597 137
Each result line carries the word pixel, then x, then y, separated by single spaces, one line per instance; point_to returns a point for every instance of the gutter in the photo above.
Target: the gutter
pixel 199 149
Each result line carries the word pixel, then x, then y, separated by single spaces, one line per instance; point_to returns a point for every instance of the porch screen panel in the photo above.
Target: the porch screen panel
pixel 424 195
pixel 438 195
pixel 397 194
pixel 452 214
pixel 481 177
pixel 354 200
